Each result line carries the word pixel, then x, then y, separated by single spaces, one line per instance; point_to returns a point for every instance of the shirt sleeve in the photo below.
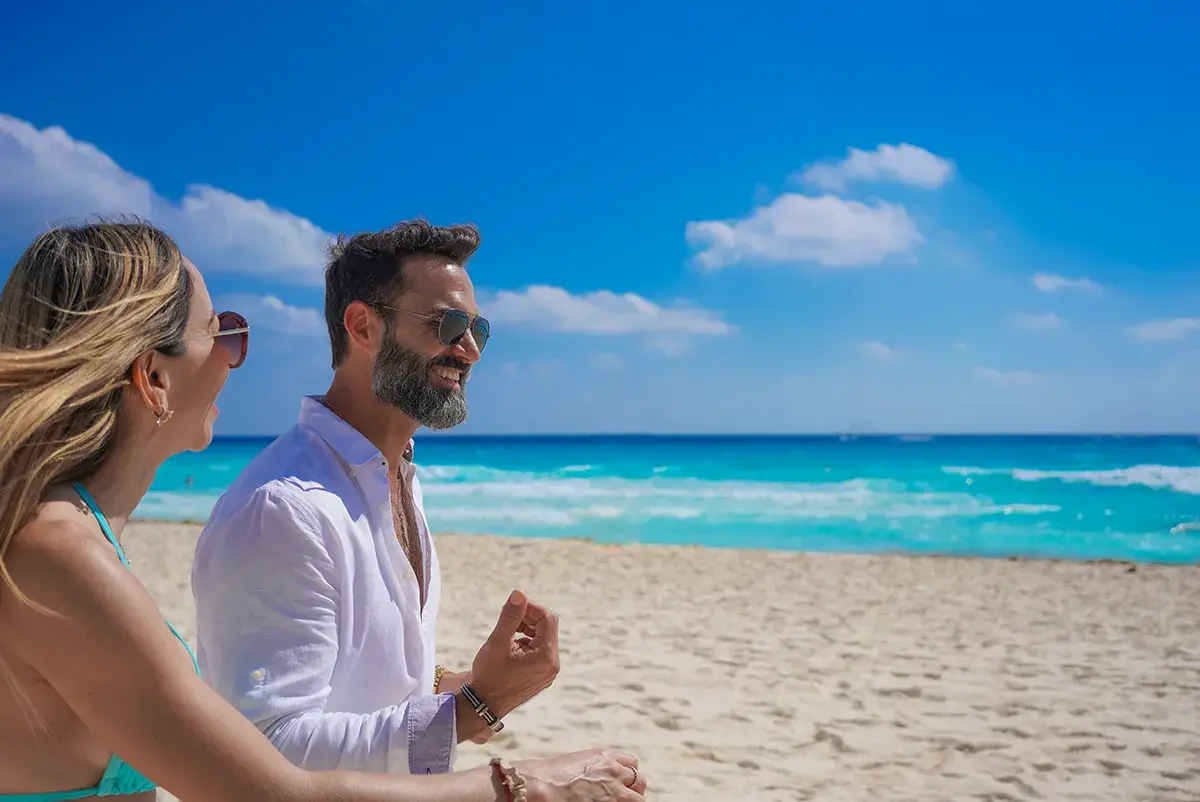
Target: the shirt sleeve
pixel 267 608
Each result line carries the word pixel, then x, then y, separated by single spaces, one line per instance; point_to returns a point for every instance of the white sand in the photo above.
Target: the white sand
pixel 757 676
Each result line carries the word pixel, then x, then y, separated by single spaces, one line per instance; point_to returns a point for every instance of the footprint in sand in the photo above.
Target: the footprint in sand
pixel 673 723
pixel 833 739
pixel 702 752
pixel 1011 731
pixel 588 689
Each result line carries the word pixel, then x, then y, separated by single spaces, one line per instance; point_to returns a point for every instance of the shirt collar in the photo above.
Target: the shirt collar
pixel 343 438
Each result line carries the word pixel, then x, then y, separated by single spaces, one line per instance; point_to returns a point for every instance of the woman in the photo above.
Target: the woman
pixel 111 359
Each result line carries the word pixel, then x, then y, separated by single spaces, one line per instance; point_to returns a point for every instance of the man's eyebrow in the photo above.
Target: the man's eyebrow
pixel 439 308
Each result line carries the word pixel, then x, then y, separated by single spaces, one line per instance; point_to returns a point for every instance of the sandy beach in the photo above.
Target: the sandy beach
pixel 760 676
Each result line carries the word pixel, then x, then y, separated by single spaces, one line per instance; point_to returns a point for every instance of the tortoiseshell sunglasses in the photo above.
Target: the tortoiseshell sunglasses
pixel 234 334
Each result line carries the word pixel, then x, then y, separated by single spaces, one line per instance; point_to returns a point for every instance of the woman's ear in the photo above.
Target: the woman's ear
pixel 150 382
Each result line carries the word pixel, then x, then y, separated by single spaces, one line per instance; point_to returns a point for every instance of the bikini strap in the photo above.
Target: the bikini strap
pixel 108 533
pixel 100 519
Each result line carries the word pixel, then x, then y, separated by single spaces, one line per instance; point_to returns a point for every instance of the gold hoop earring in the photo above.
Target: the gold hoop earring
pixel 164 417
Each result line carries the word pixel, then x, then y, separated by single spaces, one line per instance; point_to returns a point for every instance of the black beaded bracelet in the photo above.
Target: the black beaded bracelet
pixel 477 704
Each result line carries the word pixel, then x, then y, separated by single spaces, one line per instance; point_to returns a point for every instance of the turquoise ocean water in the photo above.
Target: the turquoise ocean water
pixel 1134 498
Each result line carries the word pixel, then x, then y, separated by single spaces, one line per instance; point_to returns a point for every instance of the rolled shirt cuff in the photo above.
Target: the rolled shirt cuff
pixel 432 734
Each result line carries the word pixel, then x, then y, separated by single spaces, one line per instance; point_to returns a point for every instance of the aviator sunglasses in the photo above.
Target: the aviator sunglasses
pixel 234 334
pixel 453 324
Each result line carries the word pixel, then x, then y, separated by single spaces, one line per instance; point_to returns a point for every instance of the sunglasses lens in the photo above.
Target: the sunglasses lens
pixel 454 325
pixel 481 330
pixel 236 344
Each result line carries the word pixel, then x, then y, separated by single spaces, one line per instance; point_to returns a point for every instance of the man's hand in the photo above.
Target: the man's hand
pixel 519 660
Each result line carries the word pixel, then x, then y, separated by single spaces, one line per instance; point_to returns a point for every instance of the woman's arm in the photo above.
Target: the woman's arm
pixel 111 657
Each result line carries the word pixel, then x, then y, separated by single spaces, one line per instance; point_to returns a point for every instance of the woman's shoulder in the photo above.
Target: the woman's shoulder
pixel 61 535
pixel 59 560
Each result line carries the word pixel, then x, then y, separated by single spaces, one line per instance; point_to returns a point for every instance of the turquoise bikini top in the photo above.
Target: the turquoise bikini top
pixel 120 779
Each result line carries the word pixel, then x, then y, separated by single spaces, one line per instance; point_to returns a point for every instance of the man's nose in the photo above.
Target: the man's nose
pixel 467 349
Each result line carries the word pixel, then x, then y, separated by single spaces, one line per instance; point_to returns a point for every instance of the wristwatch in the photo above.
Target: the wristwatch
pixel 438 673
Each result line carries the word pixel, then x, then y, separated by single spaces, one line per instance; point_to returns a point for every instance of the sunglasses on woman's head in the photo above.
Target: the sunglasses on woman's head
pixel 234 335
pixel 453 324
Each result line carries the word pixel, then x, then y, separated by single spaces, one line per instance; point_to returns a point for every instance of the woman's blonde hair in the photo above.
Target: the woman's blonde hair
pixel 81 304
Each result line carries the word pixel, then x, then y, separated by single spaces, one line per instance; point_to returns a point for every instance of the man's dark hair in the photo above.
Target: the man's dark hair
pixel 370 268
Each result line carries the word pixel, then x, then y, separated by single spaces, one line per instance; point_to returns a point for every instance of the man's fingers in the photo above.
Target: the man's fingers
pixel 510 619
pixel 536 612
pixel 547 631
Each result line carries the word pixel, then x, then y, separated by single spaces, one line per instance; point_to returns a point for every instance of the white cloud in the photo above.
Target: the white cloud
pixel 797 228
pixel 960 346
pixel 903 163
pixel 46 176
pixel 48 168
pixel 880 352
pixel 1050 282
pixel 1002 378
pixel 1045 320
pixel 599 312
pixel 1155 330
pixel 268 313
pixel 231 232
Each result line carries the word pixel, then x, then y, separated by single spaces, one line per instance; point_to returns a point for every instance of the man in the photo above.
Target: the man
pixel 316 581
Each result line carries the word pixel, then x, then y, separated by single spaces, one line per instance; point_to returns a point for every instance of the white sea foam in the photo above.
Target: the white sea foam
pixel 461 495
pixel 565 501
pixel 1161 477
pixel 471 473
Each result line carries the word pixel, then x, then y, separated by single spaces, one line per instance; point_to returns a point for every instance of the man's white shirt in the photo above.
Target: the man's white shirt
pixel 308 613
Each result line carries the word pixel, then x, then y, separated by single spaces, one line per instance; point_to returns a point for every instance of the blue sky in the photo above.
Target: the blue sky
pixel 696 217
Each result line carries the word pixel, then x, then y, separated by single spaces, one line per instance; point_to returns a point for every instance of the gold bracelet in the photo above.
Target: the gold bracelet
pixel 438 673
pixel 512 780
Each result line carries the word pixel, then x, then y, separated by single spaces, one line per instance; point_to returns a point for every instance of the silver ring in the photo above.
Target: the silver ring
pixel 633 782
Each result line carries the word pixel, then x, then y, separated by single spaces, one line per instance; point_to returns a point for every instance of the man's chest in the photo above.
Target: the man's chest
pixel 409 532
pixel 390 562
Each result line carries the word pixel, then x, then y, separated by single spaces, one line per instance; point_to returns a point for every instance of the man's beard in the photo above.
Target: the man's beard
pixel 401 378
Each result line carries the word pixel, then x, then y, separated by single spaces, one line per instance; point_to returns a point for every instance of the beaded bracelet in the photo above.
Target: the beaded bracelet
pixel 511 779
